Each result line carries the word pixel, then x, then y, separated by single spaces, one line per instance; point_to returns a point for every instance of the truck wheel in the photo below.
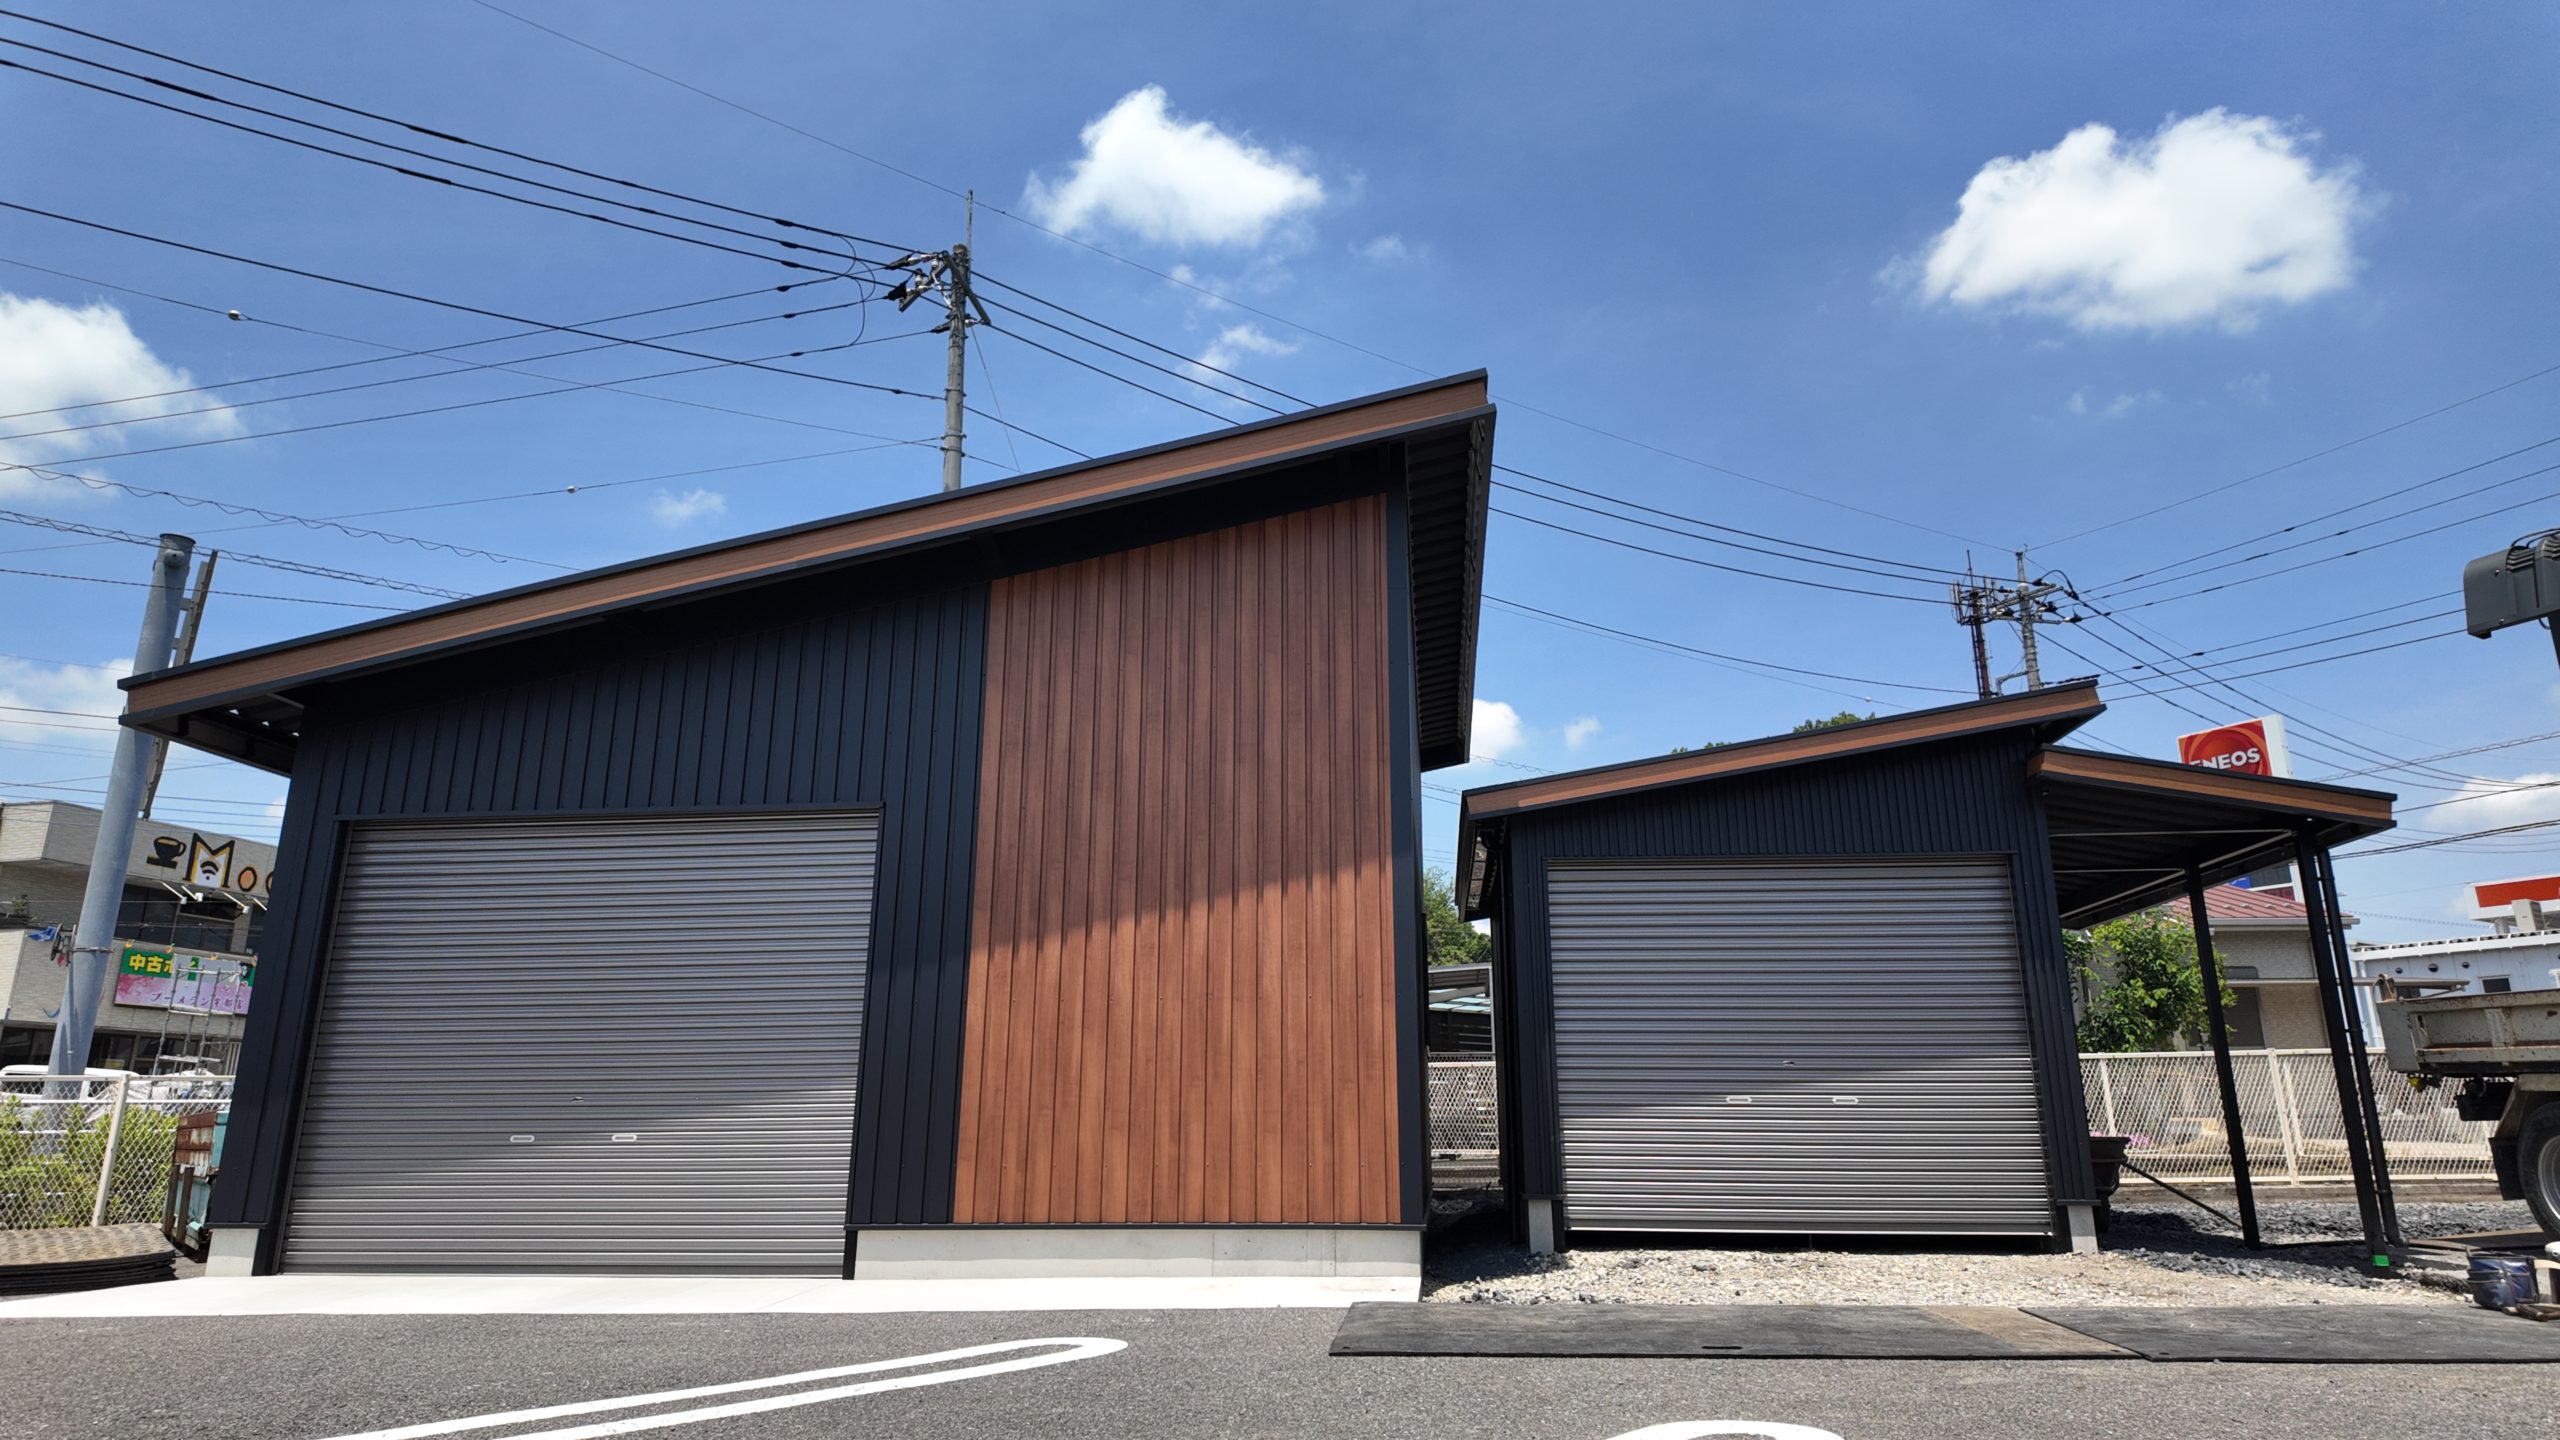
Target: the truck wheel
pixel 2538 1164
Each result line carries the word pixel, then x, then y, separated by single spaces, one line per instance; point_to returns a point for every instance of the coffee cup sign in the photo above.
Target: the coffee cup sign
pixel 2250 747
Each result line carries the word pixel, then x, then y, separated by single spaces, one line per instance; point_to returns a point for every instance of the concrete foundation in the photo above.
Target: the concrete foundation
pixel 1542 1227
pixel 2083 1220
pixel 994 1253
pixel 231 1250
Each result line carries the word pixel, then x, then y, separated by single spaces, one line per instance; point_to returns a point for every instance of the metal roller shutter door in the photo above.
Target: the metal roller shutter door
pixel 624 1044
pixel 1798 1048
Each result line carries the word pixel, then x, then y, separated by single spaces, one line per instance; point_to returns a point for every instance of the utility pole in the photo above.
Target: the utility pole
pixel 191 626
pixel 1981 602
pixel 946 273
pixel 1968 603
pixel 93 944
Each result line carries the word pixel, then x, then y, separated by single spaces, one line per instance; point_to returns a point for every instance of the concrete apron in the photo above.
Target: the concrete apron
pixel 699 1295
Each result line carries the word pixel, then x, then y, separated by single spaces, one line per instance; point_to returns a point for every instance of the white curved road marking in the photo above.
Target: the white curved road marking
pixel 1078 1348
pixel 1749 1429
pixel 1744 1428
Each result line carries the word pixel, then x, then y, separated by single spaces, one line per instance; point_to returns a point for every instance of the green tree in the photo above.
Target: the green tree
pixel 2148 989
pixel 1450 940
pixel 1802 727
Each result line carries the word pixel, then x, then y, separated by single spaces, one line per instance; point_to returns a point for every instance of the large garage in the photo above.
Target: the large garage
pixel 589 1044
pixel 1814 985
pixel 1015 881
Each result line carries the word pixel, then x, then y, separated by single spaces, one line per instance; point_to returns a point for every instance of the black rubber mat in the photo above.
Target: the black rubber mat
pixel 2318 1334
pixel 1748 1332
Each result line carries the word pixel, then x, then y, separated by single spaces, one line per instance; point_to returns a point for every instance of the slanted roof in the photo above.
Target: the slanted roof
pixel 2234 905
pixel 2048 714
pixel 248 705
pixel 2126 831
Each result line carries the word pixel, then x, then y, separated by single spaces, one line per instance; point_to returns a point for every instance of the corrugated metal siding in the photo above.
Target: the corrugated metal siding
pixel 1794 1047
pixel 1183 998
pixel 588 1044
pixel 843 706
pixel 1960 798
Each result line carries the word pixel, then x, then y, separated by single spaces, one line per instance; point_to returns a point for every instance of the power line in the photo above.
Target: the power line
pixel 232 594
pixel 1711 564
pixel 1104 325
pixel 461 367
pixel 400 352
pixel 1197 288
pixel 2307 459
pixel 2358 550
pixel 412 296
pixel 2123 587
pixel 281 517
pixel 570 388
pixel 454 139
pixel 2448 839
pixel 354 577
pixel 1716 657
pixel 851 260
pixel 2470 750
pixel 1816 555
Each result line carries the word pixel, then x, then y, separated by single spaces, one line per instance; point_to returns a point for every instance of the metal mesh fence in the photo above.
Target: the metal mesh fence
pixel 2172 1108
pixel 1464 1124
pixel 82 1151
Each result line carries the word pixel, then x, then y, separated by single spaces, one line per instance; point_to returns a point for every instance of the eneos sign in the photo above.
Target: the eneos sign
pixel 2251 747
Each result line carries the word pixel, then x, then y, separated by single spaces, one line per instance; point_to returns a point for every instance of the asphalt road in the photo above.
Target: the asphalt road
pixel 1188 1374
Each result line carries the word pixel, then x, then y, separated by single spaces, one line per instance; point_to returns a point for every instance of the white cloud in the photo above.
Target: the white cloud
pixel 1578 731
pixel 2253 387
pixel 275 811
pixel 692 505
pixel 2211 220
pixel 2083 404
pixel 2507 802
pixel 1387 250
pixel 1237 341
pixel 1147 171
pixel 52 356
pixel 87 691
pixel 1498 730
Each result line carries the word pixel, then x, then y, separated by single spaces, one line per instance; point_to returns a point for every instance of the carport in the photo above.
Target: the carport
pixel 1814 983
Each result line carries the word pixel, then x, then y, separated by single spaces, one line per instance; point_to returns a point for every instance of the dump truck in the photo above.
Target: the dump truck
pixel 2502 1051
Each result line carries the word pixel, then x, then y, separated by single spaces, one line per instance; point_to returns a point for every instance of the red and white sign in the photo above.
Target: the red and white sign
pixel 2496 899
pixel 2251 747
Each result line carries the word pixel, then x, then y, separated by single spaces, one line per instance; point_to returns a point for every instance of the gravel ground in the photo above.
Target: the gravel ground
pixel 2149 1257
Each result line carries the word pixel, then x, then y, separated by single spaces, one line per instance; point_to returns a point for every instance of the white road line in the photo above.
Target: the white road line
pixel 1747 1429
pixel 1742 1428
pixel 1078 1348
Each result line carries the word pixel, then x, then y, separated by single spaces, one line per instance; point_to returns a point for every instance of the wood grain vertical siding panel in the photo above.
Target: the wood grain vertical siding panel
pixel 1190 744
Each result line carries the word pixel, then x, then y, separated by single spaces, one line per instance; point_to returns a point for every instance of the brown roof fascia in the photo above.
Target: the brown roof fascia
pixel 907 523
pixel 2060 703
pixel 2258 792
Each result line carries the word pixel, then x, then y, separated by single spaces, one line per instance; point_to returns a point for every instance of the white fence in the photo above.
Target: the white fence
pixel 2171 1106
pixel 94 1150
pixel 2168 1102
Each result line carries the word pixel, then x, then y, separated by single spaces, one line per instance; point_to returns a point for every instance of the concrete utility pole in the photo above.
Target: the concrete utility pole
pixel 946 273
pixel 189 628
pixel 93 945
pixel 1983 602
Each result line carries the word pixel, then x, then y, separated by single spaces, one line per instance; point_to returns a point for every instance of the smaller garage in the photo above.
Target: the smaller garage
pixel 1815 984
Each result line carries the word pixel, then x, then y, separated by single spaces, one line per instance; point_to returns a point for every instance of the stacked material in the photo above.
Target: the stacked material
pixel 45 1262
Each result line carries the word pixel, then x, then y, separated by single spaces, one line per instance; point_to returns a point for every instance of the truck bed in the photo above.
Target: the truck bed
pixel 2505 1034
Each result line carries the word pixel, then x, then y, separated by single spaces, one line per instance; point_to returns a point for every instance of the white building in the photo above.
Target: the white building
pixel 187 937
pixel 2525 960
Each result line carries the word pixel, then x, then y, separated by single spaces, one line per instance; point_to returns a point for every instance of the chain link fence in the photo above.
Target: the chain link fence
pixel 94 1150
pixel 2171 1105
pixel 1464 1124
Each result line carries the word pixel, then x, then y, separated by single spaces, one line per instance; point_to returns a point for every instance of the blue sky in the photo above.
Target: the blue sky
pixel 1877 261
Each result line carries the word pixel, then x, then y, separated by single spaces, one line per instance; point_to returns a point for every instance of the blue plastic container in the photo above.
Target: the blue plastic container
pixel 2500 1282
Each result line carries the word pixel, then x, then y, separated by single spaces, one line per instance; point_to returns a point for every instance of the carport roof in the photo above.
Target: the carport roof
pixel 2126 831
pixel 248 705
